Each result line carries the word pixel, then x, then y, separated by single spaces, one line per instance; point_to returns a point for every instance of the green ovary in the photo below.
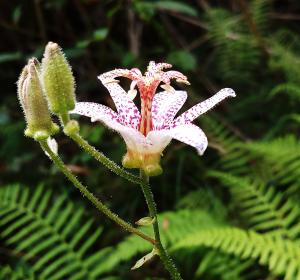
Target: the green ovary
pixel 150 163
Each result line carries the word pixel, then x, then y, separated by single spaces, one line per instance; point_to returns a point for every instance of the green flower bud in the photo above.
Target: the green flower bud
pixel 145 221
pixel 34 104
pixel 58 80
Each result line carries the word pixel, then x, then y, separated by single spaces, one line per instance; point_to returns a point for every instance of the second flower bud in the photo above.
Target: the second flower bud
pixel 58 80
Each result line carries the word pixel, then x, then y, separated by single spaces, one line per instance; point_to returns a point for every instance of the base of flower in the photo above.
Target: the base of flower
pixel 40 134
pixel 148 162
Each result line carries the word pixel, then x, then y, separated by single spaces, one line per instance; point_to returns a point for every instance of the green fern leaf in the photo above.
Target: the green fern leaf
pixel 53 239
pixel 281 256
pixel 17 273
pixel 224 267
pixel 261 207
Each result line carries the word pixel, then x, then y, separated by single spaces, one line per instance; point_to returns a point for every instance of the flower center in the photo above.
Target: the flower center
pixel 147 85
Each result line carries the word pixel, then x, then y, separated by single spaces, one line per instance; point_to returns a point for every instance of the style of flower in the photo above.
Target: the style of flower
pixel 147 133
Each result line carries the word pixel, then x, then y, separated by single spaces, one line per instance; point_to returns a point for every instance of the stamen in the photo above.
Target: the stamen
pixel 168 88
pixel 132 93
pixel 133 85
pixel 183 81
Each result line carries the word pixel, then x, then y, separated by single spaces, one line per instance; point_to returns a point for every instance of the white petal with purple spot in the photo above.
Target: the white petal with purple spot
pixel 97 112
pixel 203 107
pixel 189 134
pixel 128 112
pixel 165 106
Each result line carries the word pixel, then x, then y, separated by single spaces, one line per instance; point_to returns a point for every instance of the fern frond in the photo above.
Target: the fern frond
pixel 51 236
pixel 263 208
pixel 236 50
pixel 206 200
pixel 259 11
pixel 16 273
pixel 233 158
pixel 281 256
pixel 284 58
pixel 281 154
pixel 215 265
pixel 290 89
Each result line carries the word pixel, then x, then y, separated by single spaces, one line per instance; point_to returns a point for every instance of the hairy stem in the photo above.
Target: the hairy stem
pixel 65 118
pixel 97 203
pixel 166 259
pixel 92 151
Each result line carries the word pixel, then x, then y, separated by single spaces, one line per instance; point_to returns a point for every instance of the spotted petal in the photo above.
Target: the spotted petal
pixel 128 113
pixel 189 134
pixel 98 112
pixel 203 107
pixel 165 106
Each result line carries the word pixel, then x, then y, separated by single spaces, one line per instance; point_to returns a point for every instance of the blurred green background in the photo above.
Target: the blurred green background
pixel 247 180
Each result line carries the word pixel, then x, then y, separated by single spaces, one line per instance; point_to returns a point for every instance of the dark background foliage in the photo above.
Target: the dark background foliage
pixel 250 46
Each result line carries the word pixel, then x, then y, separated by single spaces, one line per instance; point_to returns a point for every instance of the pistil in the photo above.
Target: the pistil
pixel 147 88
pixel 146 117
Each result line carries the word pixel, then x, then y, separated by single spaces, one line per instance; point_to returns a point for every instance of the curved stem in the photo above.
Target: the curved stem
pixel 97 203
pixel 103 159
pixel 166 259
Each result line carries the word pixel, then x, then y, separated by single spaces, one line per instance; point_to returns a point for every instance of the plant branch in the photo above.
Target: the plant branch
pixel 166 259
pixel 85 192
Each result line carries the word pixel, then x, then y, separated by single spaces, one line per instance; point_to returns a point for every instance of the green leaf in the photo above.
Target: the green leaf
pixel 83 44
pixel 279 255
pixel 176 6
pixel 17 14
pixel 6 57
pixel 183 60
pixel 58 235
pixel 100 34
pixel 146 9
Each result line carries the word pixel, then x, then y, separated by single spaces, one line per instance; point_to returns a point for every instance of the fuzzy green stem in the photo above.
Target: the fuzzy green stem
pixel 166 259
pixel 92 151
pixel 97 203
pixel 64 118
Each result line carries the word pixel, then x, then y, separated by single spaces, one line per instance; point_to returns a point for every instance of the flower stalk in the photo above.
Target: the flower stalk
pixel 162 252
pixel 95 201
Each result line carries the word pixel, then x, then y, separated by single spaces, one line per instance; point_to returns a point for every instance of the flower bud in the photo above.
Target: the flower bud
pixel 58 80
pixel 34 104
pixel 145 221
pixel 145 259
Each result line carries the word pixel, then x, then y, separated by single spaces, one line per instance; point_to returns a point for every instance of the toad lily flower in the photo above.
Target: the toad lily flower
pixel 147 134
